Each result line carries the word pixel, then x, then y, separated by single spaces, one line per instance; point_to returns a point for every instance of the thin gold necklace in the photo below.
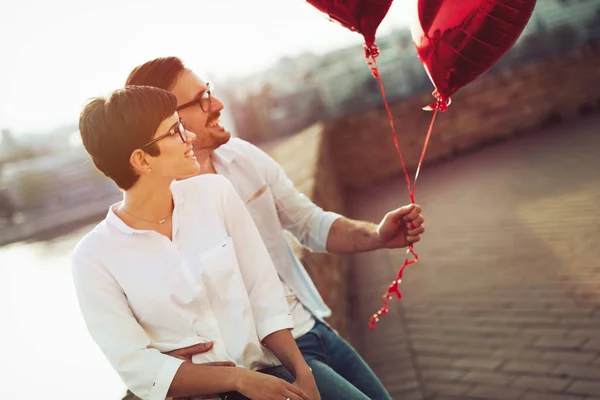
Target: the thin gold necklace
pixel 160 222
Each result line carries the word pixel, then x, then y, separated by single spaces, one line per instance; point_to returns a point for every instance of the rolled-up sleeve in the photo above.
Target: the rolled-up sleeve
pixel 267 299
pixel 309 223
pixel 112 325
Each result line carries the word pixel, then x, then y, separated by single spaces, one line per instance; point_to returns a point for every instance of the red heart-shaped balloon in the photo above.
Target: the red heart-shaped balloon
pixel 362 16
pixel 459 40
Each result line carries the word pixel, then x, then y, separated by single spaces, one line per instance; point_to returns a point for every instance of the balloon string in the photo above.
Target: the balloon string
pixel 371 53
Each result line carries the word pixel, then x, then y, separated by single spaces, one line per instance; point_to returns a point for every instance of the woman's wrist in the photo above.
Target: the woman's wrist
pixel 240 378
pixel 301 369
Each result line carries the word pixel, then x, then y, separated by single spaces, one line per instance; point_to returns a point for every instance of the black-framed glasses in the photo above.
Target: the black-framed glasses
pixel 203 100
pixel 177 129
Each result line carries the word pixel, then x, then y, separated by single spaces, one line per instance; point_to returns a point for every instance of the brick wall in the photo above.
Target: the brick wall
pixel 305 159
pixel 496 106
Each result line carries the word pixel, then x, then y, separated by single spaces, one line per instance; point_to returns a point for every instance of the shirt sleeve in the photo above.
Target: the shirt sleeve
pixel 309 223
pixel 267 299
pixel 112 325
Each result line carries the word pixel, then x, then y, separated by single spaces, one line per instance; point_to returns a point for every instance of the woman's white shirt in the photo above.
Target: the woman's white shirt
pixel 142 295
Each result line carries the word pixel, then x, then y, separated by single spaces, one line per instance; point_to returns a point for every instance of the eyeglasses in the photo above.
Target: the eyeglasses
pixel 203 100
pixel 178 129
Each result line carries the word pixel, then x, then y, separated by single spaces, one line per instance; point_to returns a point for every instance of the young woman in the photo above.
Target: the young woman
pixel 178 263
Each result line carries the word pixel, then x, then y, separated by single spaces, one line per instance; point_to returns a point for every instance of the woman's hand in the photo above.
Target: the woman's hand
pixel 306 381
pixel 259 386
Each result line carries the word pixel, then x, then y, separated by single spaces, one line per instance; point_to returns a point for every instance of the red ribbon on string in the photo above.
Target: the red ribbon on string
pixel 371 53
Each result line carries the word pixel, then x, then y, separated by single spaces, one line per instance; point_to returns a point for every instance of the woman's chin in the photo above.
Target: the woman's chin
pixel 193 170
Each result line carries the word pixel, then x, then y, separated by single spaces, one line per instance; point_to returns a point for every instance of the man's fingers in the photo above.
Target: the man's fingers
pixel 220 364
pixel 417 231
pixel 413 214
pixel 186 353
pixel 415 223
pixel 398 214
pixel 195 349
pixel 413 239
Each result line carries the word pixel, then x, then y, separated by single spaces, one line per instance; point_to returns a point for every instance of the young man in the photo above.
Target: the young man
pixel 275 206
pixel 179 263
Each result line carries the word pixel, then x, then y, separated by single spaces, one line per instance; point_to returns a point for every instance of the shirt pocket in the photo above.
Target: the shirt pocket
pixel 258 194
pixel 263 210
pixel 222 270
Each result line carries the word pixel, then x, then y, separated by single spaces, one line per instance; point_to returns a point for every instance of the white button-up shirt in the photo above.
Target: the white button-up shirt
pixel 142 295
pixel 275 206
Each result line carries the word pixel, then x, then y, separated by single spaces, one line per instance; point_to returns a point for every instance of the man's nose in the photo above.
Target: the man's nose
pixel 216 104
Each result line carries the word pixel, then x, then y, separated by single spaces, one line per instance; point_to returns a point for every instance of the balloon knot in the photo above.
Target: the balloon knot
pixel 441 103
pixel 371 50
pixel 371 53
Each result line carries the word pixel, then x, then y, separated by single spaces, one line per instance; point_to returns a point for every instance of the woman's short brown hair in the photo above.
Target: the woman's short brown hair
pixel 112 128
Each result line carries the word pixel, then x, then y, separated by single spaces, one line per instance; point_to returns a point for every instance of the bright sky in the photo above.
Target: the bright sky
pixel 54 54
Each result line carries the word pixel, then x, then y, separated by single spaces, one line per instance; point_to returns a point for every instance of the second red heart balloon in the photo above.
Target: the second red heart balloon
pixel 459 40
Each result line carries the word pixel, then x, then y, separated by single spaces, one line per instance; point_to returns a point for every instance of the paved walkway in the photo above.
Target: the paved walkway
pixel 505 302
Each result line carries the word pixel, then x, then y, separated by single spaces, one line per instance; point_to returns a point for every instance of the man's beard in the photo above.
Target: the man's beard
pixel 217 140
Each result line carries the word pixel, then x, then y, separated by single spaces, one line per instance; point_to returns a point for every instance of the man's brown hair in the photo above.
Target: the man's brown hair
pixel 161 73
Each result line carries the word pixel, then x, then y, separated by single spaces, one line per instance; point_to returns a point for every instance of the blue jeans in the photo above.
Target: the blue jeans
pixel 339 371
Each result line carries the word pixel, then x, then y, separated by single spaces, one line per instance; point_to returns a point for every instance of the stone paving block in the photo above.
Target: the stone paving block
pixel 491 378
pixel 403 387
pixel 447 388
pixel 570 356
pixel 540 367
pixel 436 362
pixel 542 383
pixel 580 371
pixel 585 387
pixel 445 374
pixel 593 344
pixel 548 396
pixel 559 343
pixel 443 397
pixel 427 347
pixel 495 392
pixel 409 395
pixel 588 333
pixel 471 351
pixel 529 354
pixel 478 364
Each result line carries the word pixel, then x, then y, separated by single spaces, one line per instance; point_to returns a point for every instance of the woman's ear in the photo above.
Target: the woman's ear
pixel 139 162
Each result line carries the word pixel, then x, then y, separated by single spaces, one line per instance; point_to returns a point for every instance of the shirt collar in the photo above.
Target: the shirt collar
pixel 223 155
pixel 114 220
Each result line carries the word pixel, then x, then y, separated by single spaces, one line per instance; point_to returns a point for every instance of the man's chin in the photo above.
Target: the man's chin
pixel 220 138
pixel 225 136
pixel 212 142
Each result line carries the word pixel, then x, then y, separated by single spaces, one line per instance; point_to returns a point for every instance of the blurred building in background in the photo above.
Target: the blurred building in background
pixel 48 183
pixel 298 92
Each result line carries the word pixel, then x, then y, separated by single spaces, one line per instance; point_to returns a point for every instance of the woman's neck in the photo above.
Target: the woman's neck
pixel 148 201
pixel 204 158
